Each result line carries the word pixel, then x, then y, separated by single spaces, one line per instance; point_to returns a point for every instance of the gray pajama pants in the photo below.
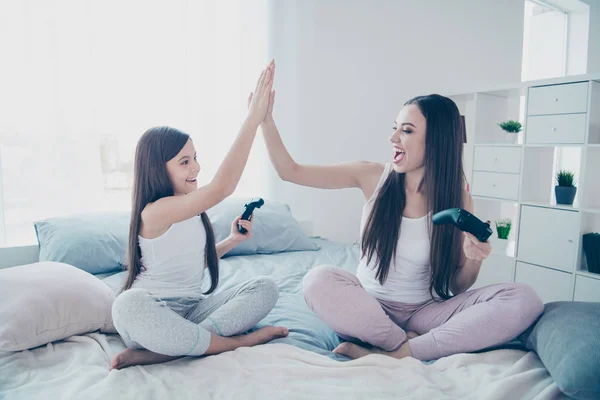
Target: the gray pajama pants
pixel 182 326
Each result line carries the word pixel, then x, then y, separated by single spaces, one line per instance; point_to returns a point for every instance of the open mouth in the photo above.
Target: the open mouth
pixel 398 155
pixel 191 180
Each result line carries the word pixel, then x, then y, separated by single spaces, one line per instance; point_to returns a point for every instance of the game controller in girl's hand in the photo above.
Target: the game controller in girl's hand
pixel 250 206
pixel 465 221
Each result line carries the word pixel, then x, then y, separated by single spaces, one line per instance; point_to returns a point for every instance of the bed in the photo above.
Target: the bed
pixel 299 366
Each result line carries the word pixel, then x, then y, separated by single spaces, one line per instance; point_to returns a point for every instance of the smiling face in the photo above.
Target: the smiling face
pixel 183 170
pixel 408 139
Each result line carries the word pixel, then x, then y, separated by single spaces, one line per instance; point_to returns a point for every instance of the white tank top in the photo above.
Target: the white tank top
pixel 409 274
pixel 174 262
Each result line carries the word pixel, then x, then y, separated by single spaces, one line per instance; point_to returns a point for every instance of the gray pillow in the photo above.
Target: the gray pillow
pixel 566 337
pixel 275 230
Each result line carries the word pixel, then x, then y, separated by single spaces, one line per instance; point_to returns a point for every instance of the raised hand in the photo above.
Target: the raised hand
pixel 269 114
pixel 259 100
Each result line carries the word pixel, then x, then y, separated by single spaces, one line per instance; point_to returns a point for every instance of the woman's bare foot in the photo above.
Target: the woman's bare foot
pixel 411 335
pixel 129 357
pixel 263 335
pixel 355 351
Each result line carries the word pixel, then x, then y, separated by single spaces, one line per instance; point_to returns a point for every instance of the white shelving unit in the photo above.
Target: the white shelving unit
pixel 513 176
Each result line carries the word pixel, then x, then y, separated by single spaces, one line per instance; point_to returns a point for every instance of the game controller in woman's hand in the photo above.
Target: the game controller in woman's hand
pixel 250 206
pixel 465 221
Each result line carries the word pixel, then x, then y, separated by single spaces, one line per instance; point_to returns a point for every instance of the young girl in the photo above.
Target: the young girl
pixel 162 313
pixel 410 294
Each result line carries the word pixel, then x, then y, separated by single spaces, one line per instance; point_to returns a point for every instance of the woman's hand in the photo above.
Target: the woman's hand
pixel 474 249
pixel 258 102
pixel 235 235
pixel 269 115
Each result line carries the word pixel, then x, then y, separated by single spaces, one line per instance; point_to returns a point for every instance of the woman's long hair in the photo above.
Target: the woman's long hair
pixel 443 186
pixel 151 182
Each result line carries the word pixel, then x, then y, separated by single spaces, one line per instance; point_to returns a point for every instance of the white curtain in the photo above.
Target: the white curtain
pixel 81 80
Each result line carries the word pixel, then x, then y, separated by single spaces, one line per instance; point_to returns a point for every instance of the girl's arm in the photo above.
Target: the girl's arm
pixel 474 252
pixel 235 238
pixel 168 210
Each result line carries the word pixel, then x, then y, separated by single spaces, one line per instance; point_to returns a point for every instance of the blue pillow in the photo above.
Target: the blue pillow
pixel 274 230
pixel 306 329
pixel 566 337
pixel 93 242
pixel 97 242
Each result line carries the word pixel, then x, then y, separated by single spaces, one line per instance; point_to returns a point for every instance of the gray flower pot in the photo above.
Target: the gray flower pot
pixel 565 194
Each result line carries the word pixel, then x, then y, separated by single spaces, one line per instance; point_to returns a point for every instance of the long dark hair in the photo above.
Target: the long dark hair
pixel 151 182
pixel 443 185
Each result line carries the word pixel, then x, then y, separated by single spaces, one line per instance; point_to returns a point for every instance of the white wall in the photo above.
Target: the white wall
pixel 345 67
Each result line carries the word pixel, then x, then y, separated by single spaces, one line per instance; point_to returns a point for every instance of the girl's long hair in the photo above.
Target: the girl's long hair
pixel 151 182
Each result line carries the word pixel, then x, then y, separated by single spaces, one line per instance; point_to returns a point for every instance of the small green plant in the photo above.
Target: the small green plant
pixel 511 126
pixel 503 228
pixel 565 178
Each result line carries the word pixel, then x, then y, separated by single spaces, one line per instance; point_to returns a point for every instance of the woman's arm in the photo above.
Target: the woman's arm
pixel 473 254
pixel 354 174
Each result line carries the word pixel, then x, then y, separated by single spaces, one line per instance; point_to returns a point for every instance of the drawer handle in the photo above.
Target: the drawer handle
pixel 570 240
pixel 554 129
pixel 556 99
pixel 493 185
pixel 495 159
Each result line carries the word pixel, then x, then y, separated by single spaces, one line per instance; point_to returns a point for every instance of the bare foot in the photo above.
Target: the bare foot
pixel 263 335
pixel 129 357
pixel 411 335
pixel 355 351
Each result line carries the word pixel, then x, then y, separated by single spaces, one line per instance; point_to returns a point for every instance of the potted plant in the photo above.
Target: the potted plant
pixel 512 128
pixel 503 228
pixel 565 188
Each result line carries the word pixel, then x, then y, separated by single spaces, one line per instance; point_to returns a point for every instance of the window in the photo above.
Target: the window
pixel 86 79
pixel 555 39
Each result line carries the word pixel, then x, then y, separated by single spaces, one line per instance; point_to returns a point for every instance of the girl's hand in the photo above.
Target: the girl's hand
pixel 474 249
pixel 238 237
pixel 258 102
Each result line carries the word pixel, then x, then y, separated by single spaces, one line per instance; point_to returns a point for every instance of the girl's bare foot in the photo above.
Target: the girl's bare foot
pixel 129 357
pixel 263 335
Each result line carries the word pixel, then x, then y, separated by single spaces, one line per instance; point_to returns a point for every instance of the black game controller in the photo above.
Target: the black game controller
pixel 465 221
pixel 250 206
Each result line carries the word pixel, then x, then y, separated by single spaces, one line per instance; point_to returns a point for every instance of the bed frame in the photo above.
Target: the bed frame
pixel 21 255
pixel 13 256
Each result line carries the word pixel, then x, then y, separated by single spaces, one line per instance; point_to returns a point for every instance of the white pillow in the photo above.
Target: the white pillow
pixel 49 301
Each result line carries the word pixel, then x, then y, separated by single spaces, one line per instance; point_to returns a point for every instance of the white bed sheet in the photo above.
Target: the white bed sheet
pixel 77 368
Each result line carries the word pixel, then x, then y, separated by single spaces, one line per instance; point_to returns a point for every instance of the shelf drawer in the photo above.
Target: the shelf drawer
pixel 497 159
pixel 548 237
pixel 558 99
pixel 492 184
pixel 587 289
pixel 566 128
pixel 549 284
